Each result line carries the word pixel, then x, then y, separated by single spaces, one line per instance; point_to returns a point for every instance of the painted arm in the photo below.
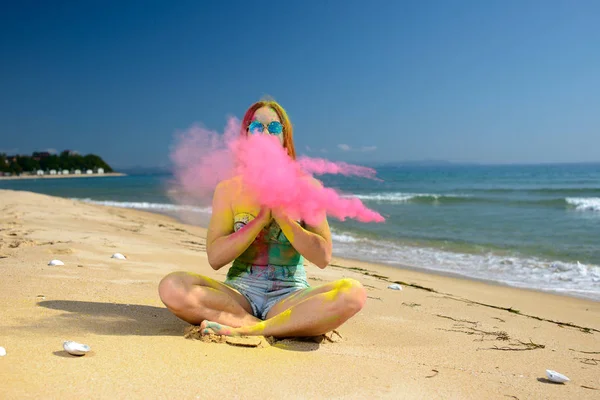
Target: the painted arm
pixel 223 245
pixel 314 242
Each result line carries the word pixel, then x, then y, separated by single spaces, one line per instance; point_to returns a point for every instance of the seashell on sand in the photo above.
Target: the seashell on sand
pixel 56 262
pixel 76 349
pixel 2 351
pixel 395 286
pixel 556 377
pixel 118 256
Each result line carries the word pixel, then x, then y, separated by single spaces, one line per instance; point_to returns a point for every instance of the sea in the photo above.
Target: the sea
pixel 526 226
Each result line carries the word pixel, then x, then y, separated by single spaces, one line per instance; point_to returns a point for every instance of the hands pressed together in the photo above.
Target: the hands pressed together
pixel 267 215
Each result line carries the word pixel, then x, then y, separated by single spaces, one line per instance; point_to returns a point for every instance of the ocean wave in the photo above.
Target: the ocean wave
pixel 399 197
pixel 147 206
pixel 558 191
pixel 343 237
pixel 573 278
pixel 579 203
pixel 584 203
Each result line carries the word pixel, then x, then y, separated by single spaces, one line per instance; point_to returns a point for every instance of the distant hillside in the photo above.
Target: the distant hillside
pixel 67 160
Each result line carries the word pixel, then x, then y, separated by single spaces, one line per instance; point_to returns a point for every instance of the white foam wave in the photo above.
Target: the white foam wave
pixel 585 203
pixel 343 237
pixel 148 206
pixel 399 197
pixel 572 278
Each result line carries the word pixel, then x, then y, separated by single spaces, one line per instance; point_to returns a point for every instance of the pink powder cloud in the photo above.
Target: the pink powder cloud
pixel 202 158
pixel 321 166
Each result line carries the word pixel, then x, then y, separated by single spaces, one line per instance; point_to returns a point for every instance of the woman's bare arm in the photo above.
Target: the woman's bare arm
pixel 223 245
pixel 314 242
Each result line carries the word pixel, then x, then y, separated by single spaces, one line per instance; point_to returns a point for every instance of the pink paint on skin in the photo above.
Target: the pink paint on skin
pixel 202 158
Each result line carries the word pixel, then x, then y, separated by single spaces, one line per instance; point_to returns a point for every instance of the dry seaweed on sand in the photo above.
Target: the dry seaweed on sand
pixel 518 346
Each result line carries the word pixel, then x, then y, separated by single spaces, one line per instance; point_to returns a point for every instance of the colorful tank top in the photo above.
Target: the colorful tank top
pixel 271 246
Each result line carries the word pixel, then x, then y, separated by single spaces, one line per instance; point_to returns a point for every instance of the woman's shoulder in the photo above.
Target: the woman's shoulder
pixel 230 184
pixel 232 190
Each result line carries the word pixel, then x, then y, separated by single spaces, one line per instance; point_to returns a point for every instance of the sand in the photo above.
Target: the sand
pixel 439 337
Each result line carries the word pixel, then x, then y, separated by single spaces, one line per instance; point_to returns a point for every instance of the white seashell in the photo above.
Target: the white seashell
pixel 2 351
pixel 56 262
pixel 118 256
pixel 395 286
pixel 76 349
pixel 556 377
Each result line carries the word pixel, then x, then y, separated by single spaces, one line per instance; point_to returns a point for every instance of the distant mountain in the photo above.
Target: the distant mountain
pixel 46 161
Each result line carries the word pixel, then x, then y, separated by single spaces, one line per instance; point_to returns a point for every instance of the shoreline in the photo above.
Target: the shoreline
pixel 408 269
pixel 108 174
pixel 398 266
pixel 455 275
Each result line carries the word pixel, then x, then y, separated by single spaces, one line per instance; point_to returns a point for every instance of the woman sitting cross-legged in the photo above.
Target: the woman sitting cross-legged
pixel 266 290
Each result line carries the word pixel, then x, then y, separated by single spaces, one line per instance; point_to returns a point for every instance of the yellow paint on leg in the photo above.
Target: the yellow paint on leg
pixel 340 286
pixel 260 327
pixel 211 283
pixel 256 328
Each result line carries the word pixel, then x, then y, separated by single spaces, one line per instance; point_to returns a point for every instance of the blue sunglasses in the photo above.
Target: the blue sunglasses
pixel 274 127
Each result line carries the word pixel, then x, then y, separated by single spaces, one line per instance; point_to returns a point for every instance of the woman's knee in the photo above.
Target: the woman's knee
pixel 351 296
pixel 174 288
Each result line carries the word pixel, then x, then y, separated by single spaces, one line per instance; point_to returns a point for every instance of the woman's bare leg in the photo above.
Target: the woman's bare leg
pixel 195 298
pixel 309 312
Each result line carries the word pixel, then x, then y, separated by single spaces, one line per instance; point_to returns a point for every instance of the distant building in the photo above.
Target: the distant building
pixel 52 172
pixel 65 172
pixel 77 172
pixel 100 170
pixel 40 172
pixel 89 172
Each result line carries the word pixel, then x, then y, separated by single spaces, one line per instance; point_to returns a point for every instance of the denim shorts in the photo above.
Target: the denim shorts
pixel 264 286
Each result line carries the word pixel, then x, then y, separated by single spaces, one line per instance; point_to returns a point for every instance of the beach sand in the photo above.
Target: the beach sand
pixel 439 337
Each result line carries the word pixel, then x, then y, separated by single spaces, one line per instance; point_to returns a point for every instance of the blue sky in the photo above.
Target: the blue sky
pixel 465 81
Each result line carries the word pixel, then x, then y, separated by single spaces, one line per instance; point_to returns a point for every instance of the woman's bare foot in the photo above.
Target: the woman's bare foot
pixel 215 328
